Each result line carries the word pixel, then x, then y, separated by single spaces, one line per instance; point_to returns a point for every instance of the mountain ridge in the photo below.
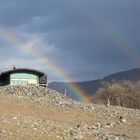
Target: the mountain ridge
pixel 90 87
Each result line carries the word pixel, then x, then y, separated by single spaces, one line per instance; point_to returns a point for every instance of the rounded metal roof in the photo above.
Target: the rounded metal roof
pixel 32 71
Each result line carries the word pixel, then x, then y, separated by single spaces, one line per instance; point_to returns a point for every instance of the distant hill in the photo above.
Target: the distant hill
pixel 90 87
pixel 132 75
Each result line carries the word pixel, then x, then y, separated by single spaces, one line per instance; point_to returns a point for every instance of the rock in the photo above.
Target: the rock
pixel 83 125
pixel 35 123
pixel 3 131
pixel 116 138
pixel 5 121
pixel 122 120
pixel 98 125
pixel 17 131
pixel 15 118
pixel 34 128
pixel 10 133
pixel 92 108
pixel 109 125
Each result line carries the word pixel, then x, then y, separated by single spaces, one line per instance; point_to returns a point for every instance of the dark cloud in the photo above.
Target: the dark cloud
pixel 88 39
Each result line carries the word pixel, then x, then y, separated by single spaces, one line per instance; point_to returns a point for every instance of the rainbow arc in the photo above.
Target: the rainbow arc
pixel 19 41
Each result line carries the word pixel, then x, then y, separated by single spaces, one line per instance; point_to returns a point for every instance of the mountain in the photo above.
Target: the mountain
pixel 132 75
pixel 90 87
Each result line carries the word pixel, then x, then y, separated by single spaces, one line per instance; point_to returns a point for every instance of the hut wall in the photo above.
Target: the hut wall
pixel 23 79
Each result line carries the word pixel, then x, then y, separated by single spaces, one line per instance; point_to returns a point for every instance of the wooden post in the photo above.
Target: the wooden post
pixel 65 94
pixel 108 102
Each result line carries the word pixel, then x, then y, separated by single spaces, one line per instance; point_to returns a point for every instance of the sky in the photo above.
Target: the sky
pixel 84 39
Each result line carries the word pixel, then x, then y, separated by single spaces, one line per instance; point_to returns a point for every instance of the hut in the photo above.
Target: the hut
pixel 23 77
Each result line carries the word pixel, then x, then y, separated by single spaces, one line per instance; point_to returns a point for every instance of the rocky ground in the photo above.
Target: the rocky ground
pixel 38 113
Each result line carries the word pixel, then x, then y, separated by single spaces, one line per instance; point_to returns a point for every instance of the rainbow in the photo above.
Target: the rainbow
pixel 21 42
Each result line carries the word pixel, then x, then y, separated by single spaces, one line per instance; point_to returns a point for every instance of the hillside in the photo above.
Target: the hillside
pixel 90 87
pixel 132 75
pixel 43 114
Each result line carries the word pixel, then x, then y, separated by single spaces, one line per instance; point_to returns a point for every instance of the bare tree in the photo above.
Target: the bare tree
pixel 121 93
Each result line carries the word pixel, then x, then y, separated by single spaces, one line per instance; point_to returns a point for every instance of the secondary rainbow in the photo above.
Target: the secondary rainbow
pixel 19 41
pixel 119 40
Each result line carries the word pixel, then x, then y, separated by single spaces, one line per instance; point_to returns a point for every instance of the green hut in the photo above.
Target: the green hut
pixel 23 77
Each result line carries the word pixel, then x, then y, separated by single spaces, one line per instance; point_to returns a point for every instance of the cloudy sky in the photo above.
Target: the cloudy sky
pixel 86 39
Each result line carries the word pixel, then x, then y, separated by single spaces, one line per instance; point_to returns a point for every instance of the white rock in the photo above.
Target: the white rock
pixel 123 120
pixel 15 118
pixel 3 131
pixel 10 133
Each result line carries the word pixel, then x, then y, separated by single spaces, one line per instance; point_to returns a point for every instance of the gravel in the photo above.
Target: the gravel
pixel 46 96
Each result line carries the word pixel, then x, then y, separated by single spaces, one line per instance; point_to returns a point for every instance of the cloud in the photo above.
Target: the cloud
pixel 88 39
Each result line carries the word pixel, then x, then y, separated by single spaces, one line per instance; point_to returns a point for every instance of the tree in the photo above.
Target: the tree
pixel 122 93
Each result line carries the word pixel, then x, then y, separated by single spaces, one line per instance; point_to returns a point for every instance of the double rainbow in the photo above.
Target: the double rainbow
pixel 117 39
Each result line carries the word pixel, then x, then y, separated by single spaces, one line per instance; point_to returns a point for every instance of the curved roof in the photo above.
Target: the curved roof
pixel 32 71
